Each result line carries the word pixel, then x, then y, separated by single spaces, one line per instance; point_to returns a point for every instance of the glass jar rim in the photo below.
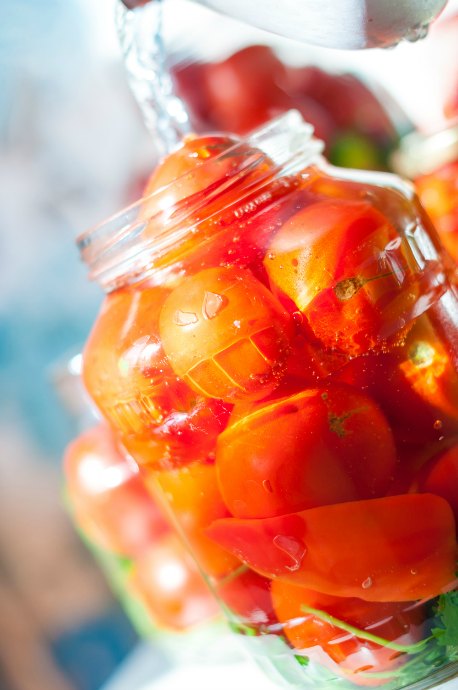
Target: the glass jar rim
pixel 118 251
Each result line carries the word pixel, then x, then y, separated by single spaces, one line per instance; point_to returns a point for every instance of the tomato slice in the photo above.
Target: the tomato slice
pixel 225 334
pixel 169 584
pixel 352 656
pixel 191 497
pixel 318 447
pixel 397 548
pixel 108 499
pixel 342 264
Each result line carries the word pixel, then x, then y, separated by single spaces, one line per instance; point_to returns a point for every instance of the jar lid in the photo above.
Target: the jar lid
pixel 421 154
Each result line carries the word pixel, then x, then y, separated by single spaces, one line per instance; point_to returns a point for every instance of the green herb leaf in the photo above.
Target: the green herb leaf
pixel 447 632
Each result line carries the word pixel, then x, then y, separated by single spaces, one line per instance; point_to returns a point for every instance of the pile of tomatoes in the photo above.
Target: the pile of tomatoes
pixel 253 85
pixel 290 400
pixel 115 512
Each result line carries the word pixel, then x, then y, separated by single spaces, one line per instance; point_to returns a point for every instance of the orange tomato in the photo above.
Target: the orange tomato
pixel 225 334
pixel 341 263
pixel 130 379
pixel 353 657
pixel 170 586
pixel 318 447
pixel 107 496
pixel 191 496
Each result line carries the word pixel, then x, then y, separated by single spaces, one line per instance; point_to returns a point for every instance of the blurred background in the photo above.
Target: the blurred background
pixel 74 150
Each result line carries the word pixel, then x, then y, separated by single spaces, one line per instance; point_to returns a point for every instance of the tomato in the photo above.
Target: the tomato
pixel 128 376
pixel 321 446
pixel 341 263
pixel 440 477
pixel 201 198
pixel 242 88
pixel 183 437
pixel 438 193
pixel 247 595
pixel 107 496
pixel 225 335
pixel 415 384
pixel 397 548
pixel 346 99
pixel 352 656
pixel 170 586
pixel 192 497
pixel 199 168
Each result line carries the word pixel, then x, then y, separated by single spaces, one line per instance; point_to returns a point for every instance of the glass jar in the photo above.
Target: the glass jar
pixel 278 351
pixel 431 160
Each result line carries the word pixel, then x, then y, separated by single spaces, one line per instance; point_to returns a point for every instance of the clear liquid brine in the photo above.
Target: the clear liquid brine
pixel 277 352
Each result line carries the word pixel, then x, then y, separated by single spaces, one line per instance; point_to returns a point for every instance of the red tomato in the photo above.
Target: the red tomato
pixel 202 199
pixel 108 498
pixel 169 584
pixel 128 376
pixel 440 477
pixel 334 260
pixel 192 497
pixel 225 334
pixel 346 99
pixel 352 656
pixel 247 595
pixel 242 88
pixel 397 548
pixel 317 447
pixel 194 172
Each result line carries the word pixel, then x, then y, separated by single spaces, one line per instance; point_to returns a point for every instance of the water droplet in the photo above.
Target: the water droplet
pixel 267 486
pixel 413 571
pixel 293 548
pixel 184 318
pixel 213 303
pixel 367 583
pixel 417 33
pixel 438 424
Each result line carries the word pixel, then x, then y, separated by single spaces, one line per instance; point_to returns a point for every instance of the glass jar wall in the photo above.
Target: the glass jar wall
pixel 278 352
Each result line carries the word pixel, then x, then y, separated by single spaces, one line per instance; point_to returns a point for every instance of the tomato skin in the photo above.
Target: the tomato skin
pixel 315 448
pixel 397 548
pixel 440 477
pixel 225 335
pixel 351 656
pixel 169 584
pixel 333 259
pixel 190 495
pixel 107 496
